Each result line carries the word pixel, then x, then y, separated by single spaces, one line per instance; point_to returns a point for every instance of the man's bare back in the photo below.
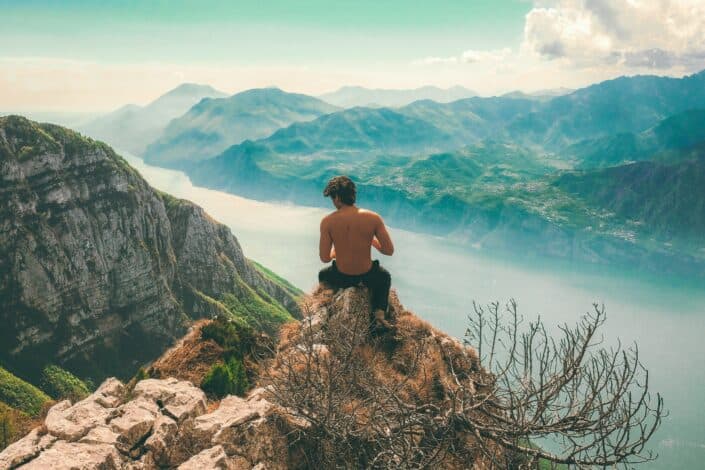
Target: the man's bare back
pixel 348 235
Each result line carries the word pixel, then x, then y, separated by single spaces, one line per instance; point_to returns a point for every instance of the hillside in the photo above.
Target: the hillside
pixel 352 96
pixel 133 127
pixel 671 138
pixel 99 272
pixel 213 125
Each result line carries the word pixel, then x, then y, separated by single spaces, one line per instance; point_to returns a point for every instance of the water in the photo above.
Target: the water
pixel 438 280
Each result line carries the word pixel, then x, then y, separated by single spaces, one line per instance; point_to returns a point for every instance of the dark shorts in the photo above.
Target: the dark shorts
pixel 377 280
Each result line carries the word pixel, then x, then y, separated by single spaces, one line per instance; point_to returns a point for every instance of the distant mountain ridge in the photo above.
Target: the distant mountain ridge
pixel 133 127
pixel 351 96
pixel 213 125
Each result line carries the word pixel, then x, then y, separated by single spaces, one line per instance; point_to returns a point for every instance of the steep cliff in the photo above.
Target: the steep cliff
pixel 99 272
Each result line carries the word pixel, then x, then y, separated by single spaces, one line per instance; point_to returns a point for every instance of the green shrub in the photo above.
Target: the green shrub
pixel 228 378
pixel 59 384
pixel 236 339
pixel 141 375
pixel 21 395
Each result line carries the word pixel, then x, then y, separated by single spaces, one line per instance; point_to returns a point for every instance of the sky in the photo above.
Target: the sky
pixel 97 55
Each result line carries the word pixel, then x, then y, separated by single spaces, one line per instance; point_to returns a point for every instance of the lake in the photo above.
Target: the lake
pixel 439 280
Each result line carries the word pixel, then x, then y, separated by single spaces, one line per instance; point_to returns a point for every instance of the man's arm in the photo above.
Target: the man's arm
pixel 325 244
pixel 382 240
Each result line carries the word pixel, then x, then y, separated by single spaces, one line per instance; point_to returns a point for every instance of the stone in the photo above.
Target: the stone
pixel 164 434
pixel 25 449
pixel 71 423
pixel 134 422
pixel 177 398
pixel 100 435
pixel 213 458
pixel 110 393
pixel 76 456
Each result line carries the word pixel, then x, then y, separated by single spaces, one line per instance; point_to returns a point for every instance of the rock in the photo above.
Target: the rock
pixel 161 441
pixel 213 458
pixel 100 435
pixel 178 399
pixel 71 423
pixel 134 423
pixel 110 393
pixel 25 449
pixel 76 456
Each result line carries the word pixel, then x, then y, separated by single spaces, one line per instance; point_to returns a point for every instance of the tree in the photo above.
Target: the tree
pixel 593 402
pixel 416 399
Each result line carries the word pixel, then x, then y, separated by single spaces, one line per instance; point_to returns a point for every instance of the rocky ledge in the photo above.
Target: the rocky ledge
pixel 159 424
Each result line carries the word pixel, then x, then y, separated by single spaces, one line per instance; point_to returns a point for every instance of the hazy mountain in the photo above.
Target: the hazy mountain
pixel 623 105
pixel 213 125
pixel 540 95
pixel 350 96
pixel 133 127
pixel 99 272
pixel 662 199
pixel 670 139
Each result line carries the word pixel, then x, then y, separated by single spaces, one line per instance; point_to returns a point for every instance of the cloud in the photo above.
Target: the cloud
pixel 470 56
pixel 653 34
pixel 436 60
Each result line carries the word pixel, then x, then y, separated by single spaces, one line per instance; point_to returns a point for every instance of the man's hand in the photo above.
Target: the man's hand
pixel 376 244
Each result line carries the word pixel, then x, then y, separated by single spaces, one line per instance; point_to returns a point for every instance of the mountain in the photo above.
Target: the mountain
pixel 133 127
pixel 351 96
pixel 213 125
pixel 99 272
pixel 669 139
pixel 622 105
pixel 660 199
pixel 541 95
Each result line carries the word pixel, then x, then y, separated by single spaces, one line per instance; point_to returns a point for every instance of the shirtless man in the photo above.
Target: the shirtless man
pixel 347 238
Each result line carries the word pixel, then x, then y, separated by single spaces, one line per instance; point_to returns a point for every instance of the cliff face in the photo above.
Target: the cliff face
pixel 98 271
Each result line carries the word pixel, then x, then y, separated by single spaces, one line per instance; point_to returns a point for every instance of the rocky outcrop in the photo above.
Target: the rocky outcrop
pixel 169 424
pixel 159 424
pixel 98 271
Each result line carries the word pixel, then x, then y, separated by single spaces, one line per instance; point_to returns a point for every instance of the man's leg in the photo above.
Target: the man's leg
pixel 379 282
pixel 328 275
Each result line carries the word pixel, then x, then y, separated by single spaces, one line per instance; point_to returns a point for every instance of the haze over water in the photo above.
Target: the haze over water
pixel 439 280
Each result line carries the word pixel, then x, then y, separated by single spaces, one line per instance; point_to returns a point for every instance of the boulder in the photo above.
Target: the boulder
pixel 76 456
pixel 177 398
pixel 160 443
pixel 213 458
pixel 134 423
pixel 71 423
pixel 25 449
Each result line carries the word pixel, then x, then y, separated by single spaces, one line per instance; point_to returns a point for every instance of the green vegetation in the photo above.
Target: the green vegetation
pixel 257 308
pixel 237 340
pixel 228 378
pixel 59 384
pixel 21 395
pixel 8 425
pixel 272 276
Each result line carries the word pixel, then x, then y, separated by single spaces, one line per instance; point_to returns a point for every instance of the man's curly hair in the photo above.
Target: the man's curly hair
pixel 343 187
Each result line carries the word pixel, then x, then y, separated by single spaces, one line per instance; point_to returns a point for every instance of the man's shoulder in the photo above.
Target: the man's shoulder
pixel 368 213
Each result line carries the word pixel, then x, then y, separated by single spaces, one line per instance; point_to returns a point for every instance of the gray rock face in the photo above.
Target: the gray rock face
pixel 99 271
pixel 161 424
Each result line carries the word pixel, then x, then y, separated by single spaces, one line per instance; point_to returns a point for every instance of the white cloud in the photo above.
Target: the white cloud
pixel 436 60
pixel 470 56
pixel 652 34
